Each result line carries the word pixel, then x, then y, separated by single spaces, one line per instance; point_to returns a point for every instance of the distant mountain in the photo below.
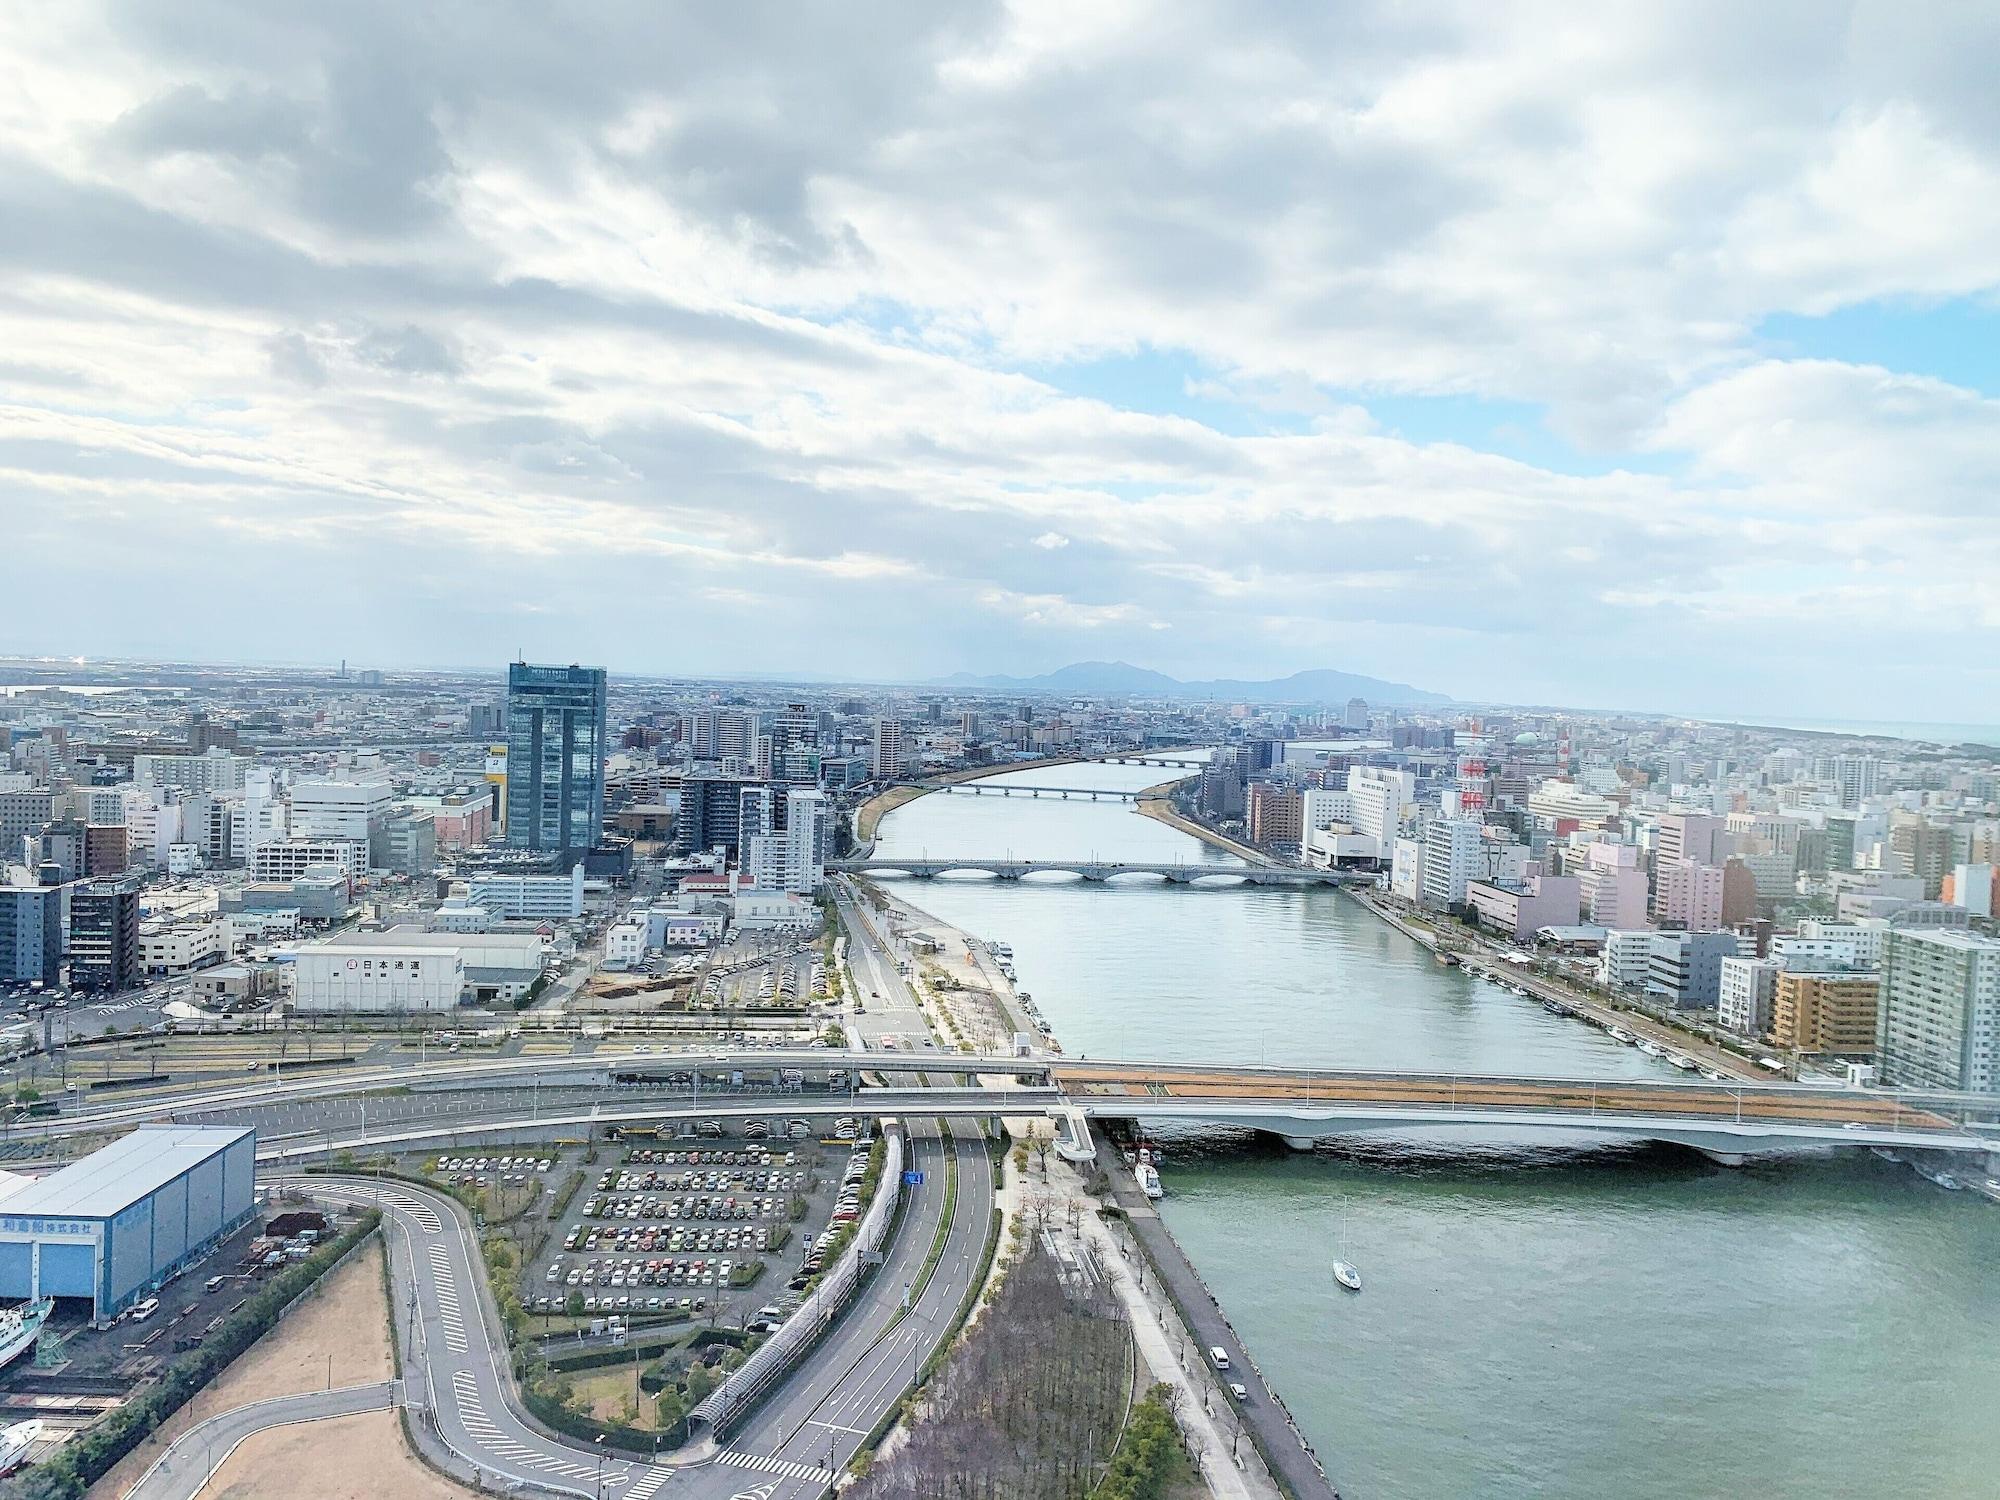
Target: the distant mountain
pixel 1124 679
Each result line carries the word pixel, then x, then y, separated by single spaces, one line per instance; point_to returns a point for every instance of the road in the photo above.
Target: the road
pixel 184 1469
pixel 812 1423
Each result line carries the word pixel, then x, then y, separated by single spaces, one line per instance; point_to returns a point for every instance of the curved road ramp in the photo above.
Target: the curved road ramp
pixel 184 1470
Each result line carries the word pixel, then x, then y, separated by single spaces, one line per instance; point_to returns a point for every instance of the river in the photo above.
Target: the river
pixel 1542 1316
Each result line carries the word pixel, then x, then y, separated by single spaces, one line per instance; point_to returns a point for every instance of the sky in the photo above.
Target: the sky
pixel 1615 356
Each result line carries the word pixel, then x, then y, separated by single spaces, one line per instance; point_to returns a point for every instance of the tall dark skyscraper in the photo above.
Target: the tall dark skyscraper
pixel 555 757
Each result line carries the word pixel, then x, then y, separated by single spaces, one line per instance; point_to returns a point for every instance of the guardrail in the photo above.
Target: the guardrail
pixel 776 1356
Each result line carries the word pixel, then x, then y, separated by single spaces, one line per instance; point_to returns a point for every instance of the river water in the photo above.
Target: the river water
pixel 1542 1316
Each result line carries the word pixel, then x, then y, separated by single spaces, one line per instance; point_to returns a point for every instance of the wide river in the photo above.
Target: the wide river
pixel 1541 1317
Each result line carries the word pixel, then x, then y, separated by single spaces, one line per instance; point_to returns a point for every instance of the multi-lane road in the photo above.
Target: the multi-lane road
pixel 454 1365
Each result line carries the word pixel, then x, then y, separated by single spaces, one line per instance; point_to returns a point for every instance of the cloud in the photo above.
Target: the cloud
pixel 1412 340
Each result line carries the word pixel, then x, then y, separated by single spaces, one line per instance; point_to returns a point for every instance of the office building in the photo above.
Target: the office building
pixel 1613 887
pixel 1690 895
pixel 104 935
pixel 529 898
pixel 1521 908
pixel 555 757
pixel 711 813
pixel 1626 961
pixel 114 1226
pixel 289 858
pixel 1451 858
pixel 1939 1022
pixel 1745 994
pixel 213 771
pixel 1380 797
pixel 1686 967
pixel 32 918
pixel 1974 887
pixel 1922 849
pixel 1685 836
pixel 409 842
pixel 1827 1010
pixel 24 813
pixel 354 808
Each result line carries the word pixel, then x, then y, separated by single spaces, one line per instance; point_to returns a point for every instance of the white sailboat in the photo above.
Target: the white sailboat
pixel 1344 1270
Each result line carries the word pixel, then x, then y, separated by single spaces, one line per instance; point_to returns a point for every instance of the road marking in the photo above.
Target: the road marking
pixel 762 1492
pixel 644 1486
pixel 770 1465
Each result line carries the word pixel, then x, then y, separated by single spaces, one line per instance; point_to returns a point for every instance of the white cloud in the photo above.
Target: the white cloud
pixel 620 308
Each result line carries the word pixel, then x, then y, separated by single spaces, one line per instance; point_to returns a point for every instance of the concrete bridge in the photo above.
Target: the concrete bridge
pixel 1728 1121
pixel 1097 870
pixel 984 788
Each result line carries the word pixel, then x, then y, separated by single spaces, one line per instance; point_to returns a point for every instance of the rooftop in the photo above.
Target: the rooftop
pixel 107 1181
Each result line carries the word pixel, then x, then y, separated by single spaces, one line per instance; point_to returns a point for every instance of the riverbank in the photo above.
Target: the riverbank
pixel 1155 802
pixel 868 817
pixel 1599 1012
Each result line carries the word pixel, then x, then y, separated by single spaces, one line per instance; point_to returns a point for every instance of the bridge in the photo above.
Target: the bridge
pixel 1096 870
pixel 1728 1121
pixel 984 788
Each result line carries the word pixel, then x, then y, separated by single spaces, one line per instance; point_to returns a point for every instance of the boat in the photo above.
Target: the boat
pixel 1887 1155
pixel 15 1441
pixel 1936 1176
pixel 20 1326
pixel 1149 1180
pixel 1347 1276
pixel 1685 1064
pixel 1651 1049
pixel 1620 1034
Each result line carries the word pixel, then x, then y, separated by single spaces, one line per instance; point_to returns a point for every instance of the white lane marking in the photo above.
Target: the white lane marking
pixel 769 1465
pixel 450 1314
pixel 497 1442
pixel 644 1486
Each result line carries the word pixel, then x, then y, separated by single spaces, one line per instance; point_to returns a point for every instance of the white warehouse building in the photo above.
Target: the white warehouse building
pixel 376 978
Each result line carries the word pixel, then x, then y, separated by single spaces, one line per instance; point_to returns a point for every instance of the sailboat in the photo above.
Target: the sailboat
pixel 1344 1271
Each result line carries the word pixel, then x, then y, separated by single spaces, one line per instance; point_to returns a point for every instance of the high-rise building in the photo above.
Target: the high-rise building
pixel 1939 1022
pixel 1274 813
pixel 31 933
pixel 104 935
pixel 1921 848
pixel 1356 716
pixel 1684 836
pixel 555 757
pixel 1858 776
pixel 794 859
pixel 213 770
pixel 889 757
pixel 1451 857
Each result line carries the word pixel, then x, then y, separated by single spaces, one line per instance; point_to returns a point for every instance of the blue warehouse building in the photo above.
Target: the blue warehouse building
pixel 113 1226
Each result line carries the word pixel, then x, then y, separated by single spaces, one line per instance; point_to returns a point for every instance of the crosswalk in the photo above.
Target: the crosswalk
pixel 495 1441
pixel 644 1487
pixel 763 1463
pixel 450 1314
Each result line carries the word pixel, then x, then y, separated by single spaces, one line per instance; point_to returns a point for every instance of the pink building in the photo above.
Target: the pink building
pixel 1690 895
pixel 1615 889
pixel 463 819
pixel 1522 908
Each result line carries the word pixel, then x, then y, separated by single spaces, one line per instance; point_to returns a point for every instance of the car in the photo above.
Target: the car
pixel 1240 1391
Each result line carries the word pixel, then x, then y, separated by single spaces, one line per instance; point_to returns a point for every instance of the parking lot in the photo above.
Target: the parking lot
pixel 715 1230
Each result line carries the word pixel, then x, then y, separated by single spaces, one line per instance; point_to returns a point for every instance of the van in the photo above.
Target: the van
pixel 1219 1357
pixel 145 1310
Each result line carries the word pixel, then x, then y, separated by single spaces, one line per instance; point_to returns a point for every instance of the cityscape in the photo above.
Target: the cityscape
pixel 999 752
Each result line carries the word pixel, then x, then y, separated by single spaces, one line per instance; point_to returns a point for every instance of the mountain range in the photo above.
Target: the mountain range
pixel 1122 678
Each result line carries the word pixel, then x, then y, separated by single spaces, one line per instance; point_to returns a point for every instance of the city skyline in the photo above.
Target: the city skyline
pixel 1397 342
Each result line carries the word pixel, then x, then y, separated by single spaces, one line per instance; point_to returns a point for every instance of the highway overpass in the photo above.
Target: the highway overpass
pixel 1300 1105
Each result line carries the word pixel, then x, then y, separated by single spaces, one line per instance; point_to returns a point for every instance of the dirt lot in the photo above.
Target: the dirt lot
pixel 343 1458
pixel 343 1330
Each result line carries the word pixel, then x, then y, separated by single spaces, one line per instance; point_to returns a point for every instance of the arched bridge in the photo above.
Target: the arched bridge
pixel 1095 869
